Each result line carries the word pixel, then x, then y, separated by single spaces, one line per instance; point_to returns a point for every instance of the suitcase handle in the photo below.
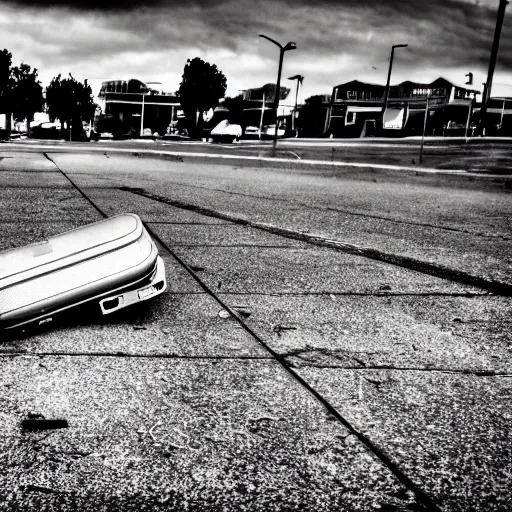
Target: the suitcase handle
pixel 119 301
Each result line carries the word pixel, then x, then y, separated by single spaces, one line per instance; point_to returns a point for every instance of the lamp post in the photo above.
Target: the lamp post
pixel 386 93
pixel 282 49
pixel 299 79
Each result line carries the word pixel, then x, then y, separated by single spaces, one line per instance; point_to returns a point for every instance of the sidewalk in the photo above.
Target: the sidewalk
pixel 182 405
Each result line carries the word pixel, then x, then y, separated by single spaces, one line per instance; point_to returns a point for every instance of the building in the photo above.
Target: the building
pixel 259 114
pixel 498 120
pixel 132 108
pixel 357 108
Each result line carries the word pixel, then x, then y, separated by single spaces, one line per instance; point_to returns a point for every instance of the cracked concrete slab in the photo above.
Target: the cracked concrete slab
pixel 154 435
pixel 449 432
pixel 457 333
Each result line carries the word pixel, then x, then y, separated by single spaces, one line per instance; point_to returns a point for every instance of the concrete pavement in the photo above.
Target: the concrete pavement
pixel 330 382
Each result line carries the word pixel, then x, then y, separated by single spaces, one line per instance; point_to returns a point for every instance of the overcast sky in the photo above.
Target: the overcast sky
pixel 337 40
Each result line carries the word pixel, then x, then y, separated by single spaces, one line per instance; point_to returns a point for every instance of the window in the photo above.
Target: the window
pixel 351 95
pixel 350 118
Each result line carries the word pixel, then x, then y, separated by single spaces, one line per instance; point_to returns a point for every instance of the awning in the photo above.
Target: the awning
pixel 394 118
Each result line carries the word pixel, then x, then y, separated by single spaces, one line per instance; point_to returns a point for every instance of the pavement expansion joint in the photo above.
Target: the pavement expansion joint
pixel 39 354
pixel 227 246
pixel 377 368
pixel 384 294
pixel 170 223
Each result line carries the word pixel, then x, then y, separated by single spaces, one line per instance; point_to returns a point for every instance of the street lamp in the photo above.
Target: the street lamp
pixel 282 49
pixel 386 94
pixel 299 79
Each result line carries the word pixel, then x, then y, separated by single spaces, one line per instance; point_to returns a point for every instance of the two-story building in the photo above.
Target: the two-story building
pixel 357 108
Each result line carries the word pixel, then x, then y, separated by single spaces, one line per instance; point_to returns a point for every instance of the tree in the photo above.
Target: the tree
pixel 70 101
pixel 5 74
pixel 317 100
pixel 202 86
pixel 26 93
pixel 313 117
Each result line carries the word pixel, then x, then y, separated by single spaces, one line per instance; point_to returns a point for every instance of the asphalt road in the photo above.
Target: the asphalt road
pixel 334 338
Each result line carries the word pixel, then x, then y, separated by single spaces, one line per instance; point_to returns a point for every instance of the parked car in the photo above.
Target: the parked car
pixel 226 132
pixel 46 131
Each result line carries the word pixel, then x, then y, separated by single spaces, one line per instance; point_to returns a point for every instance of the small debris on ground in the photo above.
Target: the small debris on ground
pixel 41 423
pixel 375 382
pixel 280 328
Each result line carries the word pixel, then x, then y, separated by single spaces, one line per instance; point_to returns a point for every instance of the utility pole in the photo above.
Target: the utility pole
pixel 492 63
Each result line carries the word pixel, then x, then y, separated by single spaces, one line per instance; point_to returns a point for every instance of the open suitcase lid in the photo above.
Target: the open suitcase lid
pixel 73 246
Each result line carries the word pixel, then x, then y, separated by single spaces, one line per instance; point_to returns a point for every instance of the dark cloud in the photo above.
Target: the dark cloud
pixel 410 6
pixel 336 39
pixel 110 5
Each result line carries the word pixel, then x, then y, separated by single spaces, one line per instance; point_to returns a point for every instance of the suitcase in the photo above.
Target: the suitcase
pixel 113 262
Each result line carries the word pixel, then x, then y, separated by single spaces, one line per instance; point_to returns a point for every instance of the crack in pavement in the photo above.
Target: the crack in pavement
pixel 352 213
pixel 302 355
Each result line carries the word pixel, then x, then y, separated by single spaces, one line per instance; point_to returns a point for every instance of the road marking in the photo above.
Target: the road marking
pixel 327 163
